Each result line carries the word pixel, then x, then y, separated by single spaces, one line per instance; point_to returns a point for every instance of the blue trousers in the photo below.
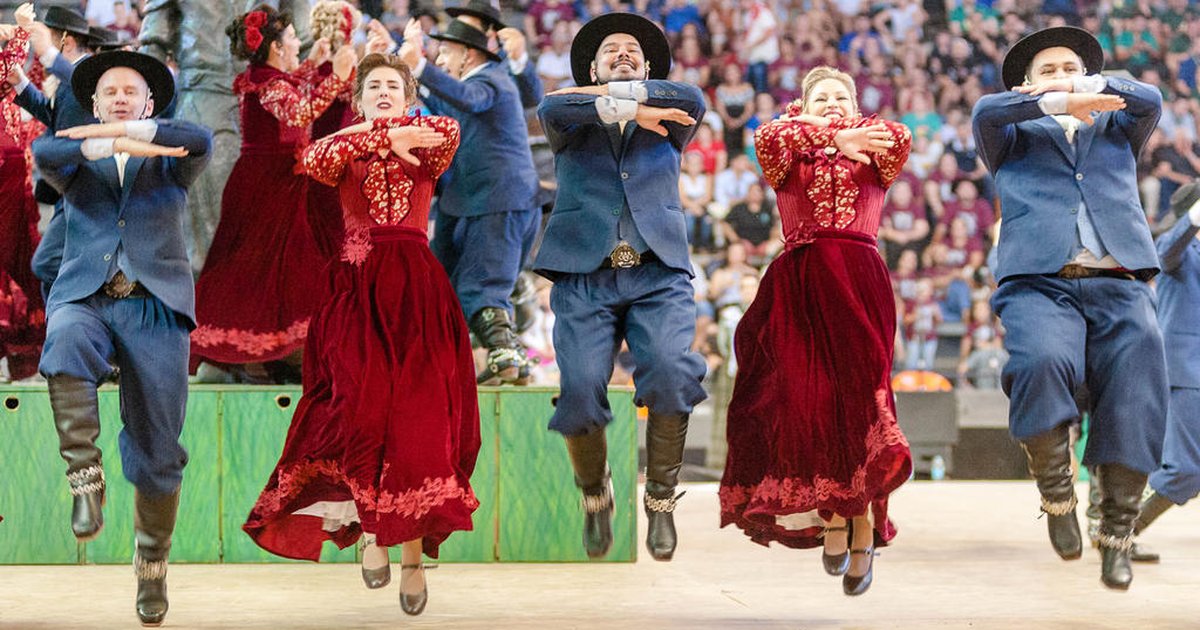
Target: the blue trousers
pixel 482 255
pixel 1100 331
pixel 148 344
pixel 1179 477
pixel 653 309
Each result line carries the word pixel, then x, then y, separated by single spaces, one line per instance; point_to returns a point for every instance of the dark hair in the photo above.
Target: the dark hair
pixel 272 29
pixel 378 60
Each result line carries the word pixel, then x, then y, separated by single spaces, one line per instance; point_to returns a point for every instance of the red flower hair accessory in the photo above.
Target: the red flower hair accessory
pixel 254 21
pixel 347 31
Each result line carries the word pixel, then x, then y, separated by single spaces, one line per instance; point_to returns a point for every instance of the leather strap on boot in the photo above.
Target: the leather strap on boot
pixel 153 524
pixel 493 328
pixel 1121 488
pixel 77 421
pixel 1049 456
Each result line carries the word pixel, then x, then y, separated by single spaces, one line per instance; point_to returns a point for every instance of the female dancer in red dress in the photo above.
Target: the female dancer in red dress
pixel 254 296
pixel 22 313
pixel 394 460
pixel 812 423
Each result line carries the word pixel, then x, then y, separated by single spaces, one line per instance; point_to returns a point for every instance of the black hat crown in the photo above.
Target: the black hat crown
pixel 64 19
pixel 460 32
pixel 482 9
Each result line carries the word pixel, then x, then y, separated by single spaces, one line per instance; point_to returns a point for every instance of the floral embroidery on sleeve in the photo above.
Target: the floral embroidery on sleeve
pixel 779 142
pixel 326 159
pixel 436 160
pixel 298 104
pixel 890 163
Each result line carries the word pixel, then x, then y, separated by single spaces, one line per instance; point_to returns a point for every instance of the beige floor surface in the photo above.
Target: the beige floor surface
pixel 969 555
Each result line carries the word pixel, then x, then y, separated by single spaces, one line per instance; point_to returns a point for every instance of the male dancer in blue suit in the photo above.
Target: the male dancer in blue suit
pixel 1177 481
pixel 124 298
pixel 616 249
pixel 61 41
pixel 1074 256
pixel 487 217
pixel 485 17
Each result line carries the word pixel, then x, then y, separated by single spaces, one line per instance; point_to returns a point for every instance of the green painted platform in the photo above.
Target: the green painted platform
pixel 529 507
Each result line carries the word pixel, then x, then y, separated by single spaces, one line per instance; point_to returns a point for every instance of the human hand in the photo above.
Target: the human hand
pixel 856 143
pixel 1082 106
pixel 652 118
pixel 146 149
pixel 405 139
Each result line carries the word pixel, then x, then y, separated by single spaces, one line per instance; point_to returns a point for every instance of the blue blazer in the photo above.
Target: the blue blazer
pixel 144 216
pixel 493 170
pixel 1179 302
pixel 600 172
pixel 1042 179
pixel 66 111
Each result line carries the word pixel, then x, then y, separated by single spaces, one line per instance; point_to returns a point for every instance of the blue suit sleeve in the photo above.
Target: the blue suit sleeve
pixel 471 96
pixel 1174 244
pixel 669 94
pixel 529 86
pixel 1143 106
pixel 195 138
pixel 58 159
pixel 62 69
pixel 993 122
pixel 563 116
pixel 37 104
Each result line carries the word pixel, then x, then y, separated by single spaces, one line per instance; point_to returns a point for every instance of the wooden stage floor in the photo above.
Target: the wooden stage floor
pixel 969 555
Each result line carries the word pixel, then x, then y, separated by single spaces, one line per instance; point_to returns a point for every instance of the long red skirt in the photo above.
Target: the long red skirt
pixel 259 284
pixel 812 424
pixel 392 449
pixel 22 313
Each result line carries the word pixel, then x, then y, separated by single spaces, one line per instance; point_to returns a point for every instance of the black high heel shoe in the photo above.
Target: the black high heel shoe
pixel 857 585
pixel 376 578
pixel 413 604
pixel 837 564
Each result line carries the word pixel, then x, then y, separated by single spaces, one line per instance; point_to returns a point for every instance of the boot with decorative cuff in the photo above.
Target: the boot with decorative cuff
pixel 77 419
pixel 1122 490
pixel 1049 456
pixel 665 436
pixel 589 458
pixel 153 524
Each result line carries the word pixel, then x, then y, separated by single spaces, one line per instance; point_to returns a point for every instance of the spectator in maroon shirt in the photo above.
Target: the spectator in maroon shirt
pixel 939 186
pixel 876 92
pixel 707 143
pixel 541 18
pixel 786 73
pixel 976 214
pixel 903 225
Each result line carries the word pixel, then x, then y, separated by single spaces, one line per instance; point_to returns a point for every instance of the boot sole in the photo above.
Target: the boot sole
pixel 90 537
pixel 1115 586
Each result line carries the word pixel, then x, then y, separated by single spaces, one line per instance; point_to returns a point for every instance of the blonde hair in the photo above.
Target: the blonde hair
pixel 336 21
pixel 821 73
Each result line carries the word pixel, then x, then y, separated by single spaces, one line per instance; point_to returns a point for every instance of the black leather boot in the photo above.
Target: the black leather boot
pixel 77 419
pixel 589 457
pixel 1093 509
pixel 1152 507
pixel 1122 493
pixel 153 524
pixel 493 328
pixel 665 435
pixel 1049 456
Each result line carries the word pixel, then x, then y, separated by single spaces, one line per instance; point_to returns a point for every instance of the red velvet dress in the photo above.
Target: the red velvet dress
pixel 396 455
pixel 22 313
pixel 255 294
pixel 812 424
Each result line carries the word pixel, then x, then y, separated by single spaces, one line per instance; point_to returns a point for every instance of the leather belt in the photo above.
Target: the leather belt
pixel 120 288
pixel 626 257
pixel 1075 272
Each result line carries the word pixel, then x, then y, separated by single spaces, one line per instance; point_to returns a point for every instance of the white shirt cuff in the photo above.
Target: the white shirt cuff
pixel 1194 213
pixel 143 130
pixel 1089 84
pixel 420 69
pixel 612 110
pixel 20 88
pixel 517 66
pixel 628 90
pixel 48 58
pixel 1053 103
pixel 97 148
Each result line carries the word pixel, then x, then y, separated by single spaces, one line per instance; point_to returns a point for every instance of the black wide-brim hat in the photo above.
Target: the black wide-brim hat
pixel 481 9
pixel 158 77
pixel 651 38
pixel 460 32
pixel 1018 58
pixel 102 38
pixel 64 19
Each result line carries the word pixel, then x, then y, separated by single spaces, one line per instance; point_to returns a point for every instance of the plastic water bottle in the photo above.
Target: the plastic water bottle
pixel 937 468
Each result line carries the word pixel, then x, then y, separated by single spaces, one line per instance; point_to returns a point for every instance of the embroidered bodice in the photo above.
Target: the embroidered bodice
pixel 381 189
pixel 19 128
pixel 278 108
pixel 817 187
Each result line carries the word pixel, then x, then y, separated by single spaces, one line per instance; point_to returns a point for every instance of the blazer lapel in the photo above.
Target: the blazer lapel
pixel 630 127
pixel 1087 133
pixel 132 166
pixel 1056 133
pixel 614 139
pixel 108 168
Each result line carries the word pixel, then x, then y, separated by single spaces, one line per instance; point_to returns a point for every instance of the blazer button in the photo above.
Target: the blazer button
pixel 624 175
pixel 1078 177
pixel 1074 210
pixel 107 257
pixel 616 212
pixel 121 223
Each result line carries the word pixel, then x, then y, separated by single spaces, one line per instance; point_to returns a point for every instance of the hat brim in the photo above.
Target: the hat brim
pixel 1018 58
pixel 72 29
pixel 158 77
pixel 458 40
pixel 651 38
pixel 492 19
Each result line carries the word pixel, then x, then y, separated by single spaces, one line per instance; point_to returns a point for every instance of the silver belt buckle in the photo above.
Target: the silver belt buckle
pixel 119 287
pixel 624 256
